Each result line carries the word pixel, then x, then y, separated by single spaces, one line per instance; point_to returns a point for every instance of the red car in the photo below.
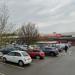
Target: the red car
pixel 36 54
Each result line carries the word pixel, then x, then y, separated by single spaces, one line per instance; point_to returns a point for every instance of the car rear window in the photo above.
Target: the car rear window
pixel 24 54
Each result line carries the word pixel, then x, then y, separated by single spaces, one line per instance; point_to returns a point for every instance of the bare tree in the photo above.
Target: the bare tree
pixel 28 33
pixel 3 18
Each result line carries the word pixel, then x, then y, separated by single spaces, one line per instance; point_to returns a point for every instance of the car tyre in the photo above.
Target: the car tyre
pixel 52 54
pixel 41 57
pixel 20 63
pixel 4 60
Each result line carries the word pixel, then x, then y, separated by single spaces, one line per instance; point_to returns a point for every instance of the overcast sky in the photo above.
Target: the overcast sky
pixel 49 15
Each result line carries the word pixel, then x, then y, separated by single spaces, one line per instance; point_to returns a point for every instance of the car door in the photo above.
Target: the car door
pixel 36 52
pixel 31 53
pixel 10 56
pixel 17 57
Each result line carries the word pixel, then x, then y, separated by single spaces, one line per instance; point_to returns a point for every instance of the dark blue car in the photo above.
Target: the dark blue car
pixel 9 49
pixel 52 51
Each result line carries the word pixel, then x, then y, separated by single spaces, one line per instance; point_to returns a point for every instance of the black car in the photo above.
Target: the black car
pixel 9 49
pixel 52 51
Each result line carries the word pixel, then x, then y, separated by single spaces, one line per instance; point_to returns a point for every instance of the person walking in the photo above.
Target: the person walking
pixel 66 48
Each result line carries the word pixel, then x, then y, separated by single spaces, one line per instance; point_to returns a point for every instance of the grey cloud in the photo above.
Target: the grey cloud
pixel 59 28
pixel 56 14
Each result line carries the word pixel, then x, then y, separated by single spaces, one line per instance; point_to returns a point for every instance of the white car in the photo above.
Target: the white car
pixel 20 57
pixel 1 54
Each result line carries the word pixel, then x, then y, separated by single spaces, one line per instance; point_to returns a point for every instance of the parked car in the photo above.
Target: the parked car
pixel 24 47
pixel 50 51
pixel 20 57
pixel 36 53
pixel 1 55
pixel 60 49
pixel 9 49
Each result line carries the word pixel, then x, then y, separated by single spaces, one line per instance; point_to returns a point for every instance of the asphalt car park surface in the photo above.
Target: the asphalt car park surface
pixel 60 65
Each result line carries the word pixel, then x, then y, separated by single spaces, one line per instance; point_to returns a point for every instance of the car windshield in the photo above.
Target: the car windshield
pixel 24 54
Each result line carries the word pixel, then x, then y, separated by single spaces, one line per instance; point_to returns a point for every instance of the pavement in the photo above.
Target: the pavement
pixel 64 64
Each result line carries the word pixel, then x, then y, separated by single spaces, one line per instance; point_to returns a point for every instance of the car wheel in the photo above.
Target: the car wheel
pixel 52 54
pixel 4 60
pixel 41 57
pixel 21 63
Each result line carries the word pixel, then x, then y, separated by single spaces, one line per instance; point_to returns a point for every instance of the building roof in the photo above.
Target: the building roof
pixel 66 38
pixel 47 42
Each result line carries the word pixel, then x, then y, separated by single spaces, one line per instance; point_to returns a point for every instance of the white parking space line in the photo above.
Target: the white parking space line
pixel 12 65
pixel 2 74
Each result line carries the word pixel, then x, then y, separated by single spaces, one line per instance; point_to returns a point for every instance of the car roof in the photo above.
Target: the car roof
pixel 18 51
